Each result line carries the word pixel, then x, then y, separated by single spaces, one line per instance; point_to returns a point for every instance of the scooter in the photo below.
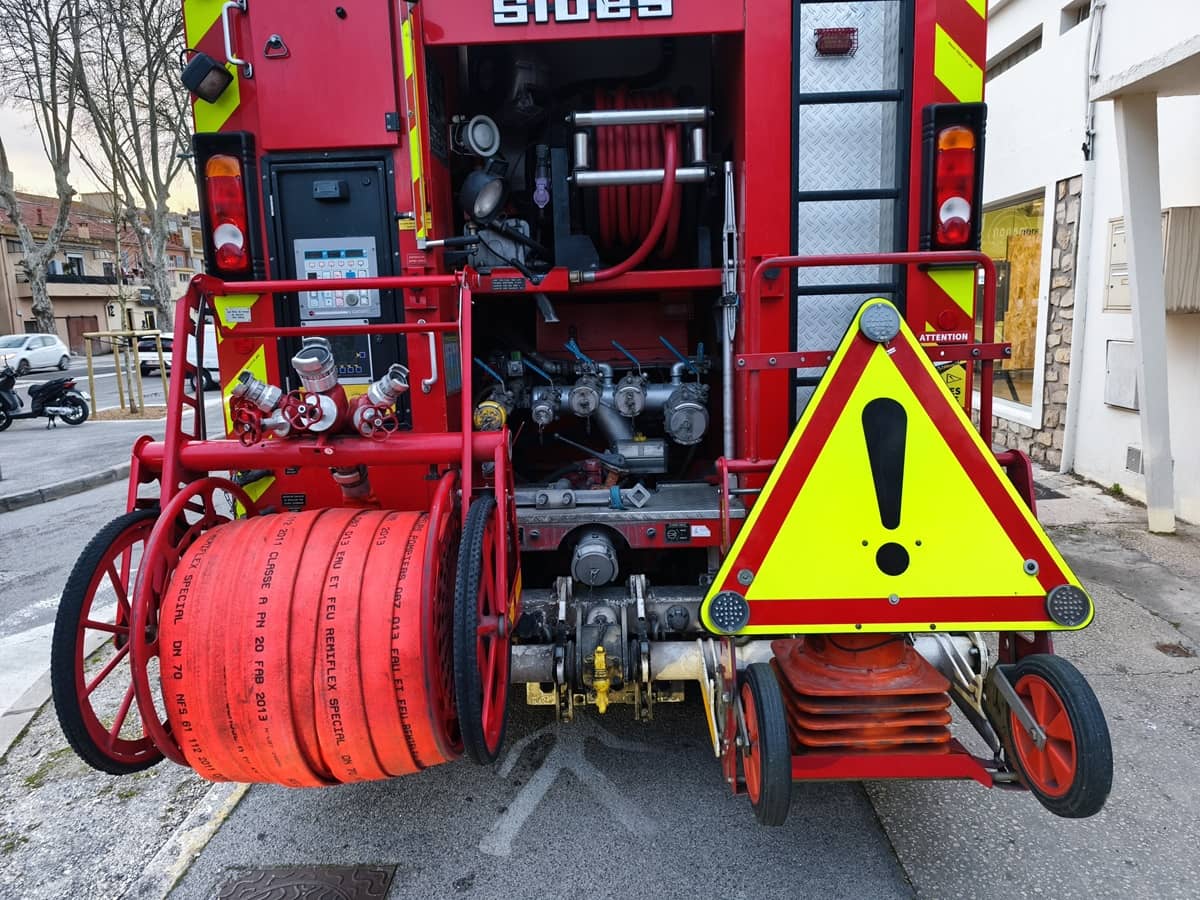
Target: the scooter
pixel 55 398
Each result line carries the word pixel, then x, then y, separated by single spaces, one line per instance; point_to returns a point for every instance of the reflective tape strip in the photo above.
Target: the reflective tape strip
pixel 959 285
pixel 199 18
pixel 954 68
pixel 255 490
pixel 980 6
pixel 226 309
pixel 256 365
pixel 415 149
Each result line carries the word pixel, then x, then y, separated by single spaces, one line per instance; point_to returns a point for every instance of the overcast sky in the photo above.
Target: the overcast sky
pixel 32 173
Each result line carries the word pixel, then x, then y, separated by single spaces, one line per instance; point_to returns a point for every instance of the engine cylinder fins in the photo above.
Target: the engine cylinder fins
pixel 862 693
pixel 302 649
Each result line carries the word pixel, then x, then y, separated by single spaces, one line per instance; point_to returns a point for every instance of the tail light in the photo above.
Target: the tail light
pixel 227 214
pixel 953 189
pixel 227 184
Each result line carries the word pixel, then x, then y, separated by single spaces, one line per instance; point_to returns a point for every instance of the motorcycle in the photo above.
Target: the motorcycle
pixel 56 398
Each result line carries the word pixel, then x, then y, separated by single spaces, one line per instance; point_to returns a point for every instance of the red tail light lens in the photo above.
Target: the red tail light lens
pixel 954 187
pixel 227 213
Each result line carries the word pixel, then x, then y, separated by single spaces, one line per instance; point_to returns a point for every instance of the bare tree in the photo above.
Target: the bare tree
pixel 139 115
pixel 39 71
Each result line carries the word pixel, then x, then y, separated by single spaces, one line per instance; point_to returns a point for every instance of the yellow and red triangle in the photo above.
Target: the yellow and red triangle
pixel 887 513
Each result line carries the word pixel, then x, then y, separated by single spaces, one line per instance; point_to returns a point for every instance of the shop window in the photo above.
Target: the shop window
pixel 1012 236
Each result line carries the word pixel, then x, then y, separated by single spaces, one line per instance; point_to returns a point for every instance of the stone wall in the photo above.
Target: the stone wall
pixel 1044 444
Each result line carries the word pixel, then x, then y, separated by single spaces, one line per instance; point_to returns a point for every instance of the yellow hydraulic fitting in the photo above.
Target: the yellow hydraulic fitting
pixel 600 680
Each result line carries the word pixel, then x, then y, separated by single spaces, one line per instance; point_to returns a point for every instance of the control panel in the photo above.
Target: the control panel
pixel 336 263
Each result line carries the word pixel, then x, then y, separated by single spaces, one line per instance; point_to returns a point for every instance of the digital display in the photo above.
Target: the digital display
pixel 335 254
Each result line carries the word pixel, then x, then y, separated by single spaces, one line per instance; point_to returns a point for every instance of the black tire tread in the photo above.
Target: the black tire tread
pixel 63 649
pixel 1093 745
pixel 775 794
pixel 79 403
pixel 467 689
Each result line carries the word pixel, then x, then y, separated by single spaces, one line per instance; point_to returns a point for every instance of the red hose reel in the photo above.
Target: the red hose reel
pixel 627 213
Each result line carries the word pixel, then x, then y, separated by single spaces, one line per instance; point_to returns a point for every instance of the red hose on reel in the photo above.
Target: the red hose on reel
pixel 296 648
pixel 627 213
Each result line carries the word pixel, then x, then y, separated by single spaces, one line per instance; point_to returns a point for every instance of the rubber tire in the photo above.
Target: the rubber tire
pixel 1093 746
pixel 23 367
pixel 468 692
pixel 145 369
pixel 5 419
pixel 775 752
pixel 62 648
pixel 207 382
pixel 64 364
pixel 80 404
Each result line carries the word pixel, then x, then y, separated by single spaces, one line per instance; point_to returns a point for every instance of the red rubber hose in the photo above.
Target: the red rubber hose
pixel 295 649
pixel 665 202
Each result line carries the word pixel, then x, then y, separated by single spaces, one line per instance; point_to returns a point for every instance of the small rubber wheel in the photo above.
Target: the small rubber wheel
pixel 64 364
pixel 482 638
pixel 81 411
pixel 1072 774
pixel 96 709
pixel 767 759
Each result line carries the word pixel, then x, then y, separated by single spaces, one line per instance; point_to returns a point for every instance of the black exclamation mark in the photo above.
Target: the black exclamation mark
pixel 885 426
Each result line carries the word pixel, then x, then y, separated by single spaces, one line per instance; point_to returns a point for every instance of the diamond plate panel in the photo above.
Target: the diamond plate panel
pixel 875 65
pixel 844 226
pixel 821 323
pixel 846 146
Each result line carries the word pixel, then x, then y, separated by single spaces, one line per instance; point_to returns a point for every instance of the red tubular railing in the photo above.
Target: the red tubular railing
pixel 749 379
pixel 183 454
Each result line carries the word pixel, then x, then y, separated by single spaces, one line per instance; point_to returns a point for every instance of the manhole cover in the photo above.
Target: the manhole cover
pixel 311 883
pixel 1046 493
pixel 1175 650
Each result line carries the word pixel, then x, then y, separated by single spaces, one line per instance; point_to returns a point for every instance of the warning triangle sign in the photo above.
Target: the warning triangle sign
pixel 887 513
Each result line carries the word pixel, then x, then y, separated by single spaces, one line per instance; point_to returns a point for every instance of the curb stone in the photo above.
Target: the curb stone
pixel 58 490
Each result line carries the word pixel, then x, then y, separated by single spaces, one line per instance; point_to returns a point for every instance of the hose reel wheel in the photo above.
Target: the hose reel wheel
pixel 482 632
pixel 94 698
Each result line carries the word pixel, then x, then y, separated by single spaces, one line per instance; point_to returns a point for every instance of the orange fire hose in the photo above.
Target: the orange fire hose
pixel 294 649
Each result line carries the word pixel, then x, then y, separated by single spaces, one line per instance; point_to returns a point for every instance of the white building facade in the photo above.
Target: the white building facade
pixel 1086 99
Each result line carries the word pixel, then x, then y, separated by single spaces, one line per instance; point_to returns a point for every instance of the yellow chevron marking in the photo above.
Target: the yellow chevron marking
pixel 955 69
pixel 423 224
pixel 959 285
pixel 980 6
pixel 198 17
pixel 212 116
pixel 233 301
pixel 256 365
pixel 256 489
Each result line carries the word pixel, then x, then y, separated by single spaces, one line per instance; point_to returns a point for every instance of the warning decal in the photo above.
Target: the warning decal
pixel 886 513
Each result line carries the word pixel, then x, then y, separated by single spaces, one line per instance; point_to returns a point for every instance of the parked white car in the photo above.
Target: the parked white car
pixel 25 352
pixel 147 355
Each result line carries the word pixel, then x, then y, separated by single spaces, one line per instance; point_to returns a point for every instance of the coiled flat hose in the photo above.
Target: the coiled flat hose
pixel 311 648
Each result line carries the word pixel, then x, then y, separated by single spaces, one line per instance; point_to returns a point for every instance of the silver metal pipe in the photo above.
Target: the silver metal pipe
pixel 676 116
pixel 699 146
pixel 620 177
pixel 582 148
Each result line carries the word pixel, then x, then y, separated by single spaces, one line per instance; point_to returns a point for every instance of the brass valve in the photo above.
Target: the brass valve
pixel 600 680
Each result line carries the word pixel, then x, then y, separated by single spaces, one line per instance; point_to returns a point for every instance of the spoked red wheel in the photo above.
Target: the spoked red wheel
pixel 90 675
pixel 191 512
pixel 482 635
pixel 1071 774
pixel 766 748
